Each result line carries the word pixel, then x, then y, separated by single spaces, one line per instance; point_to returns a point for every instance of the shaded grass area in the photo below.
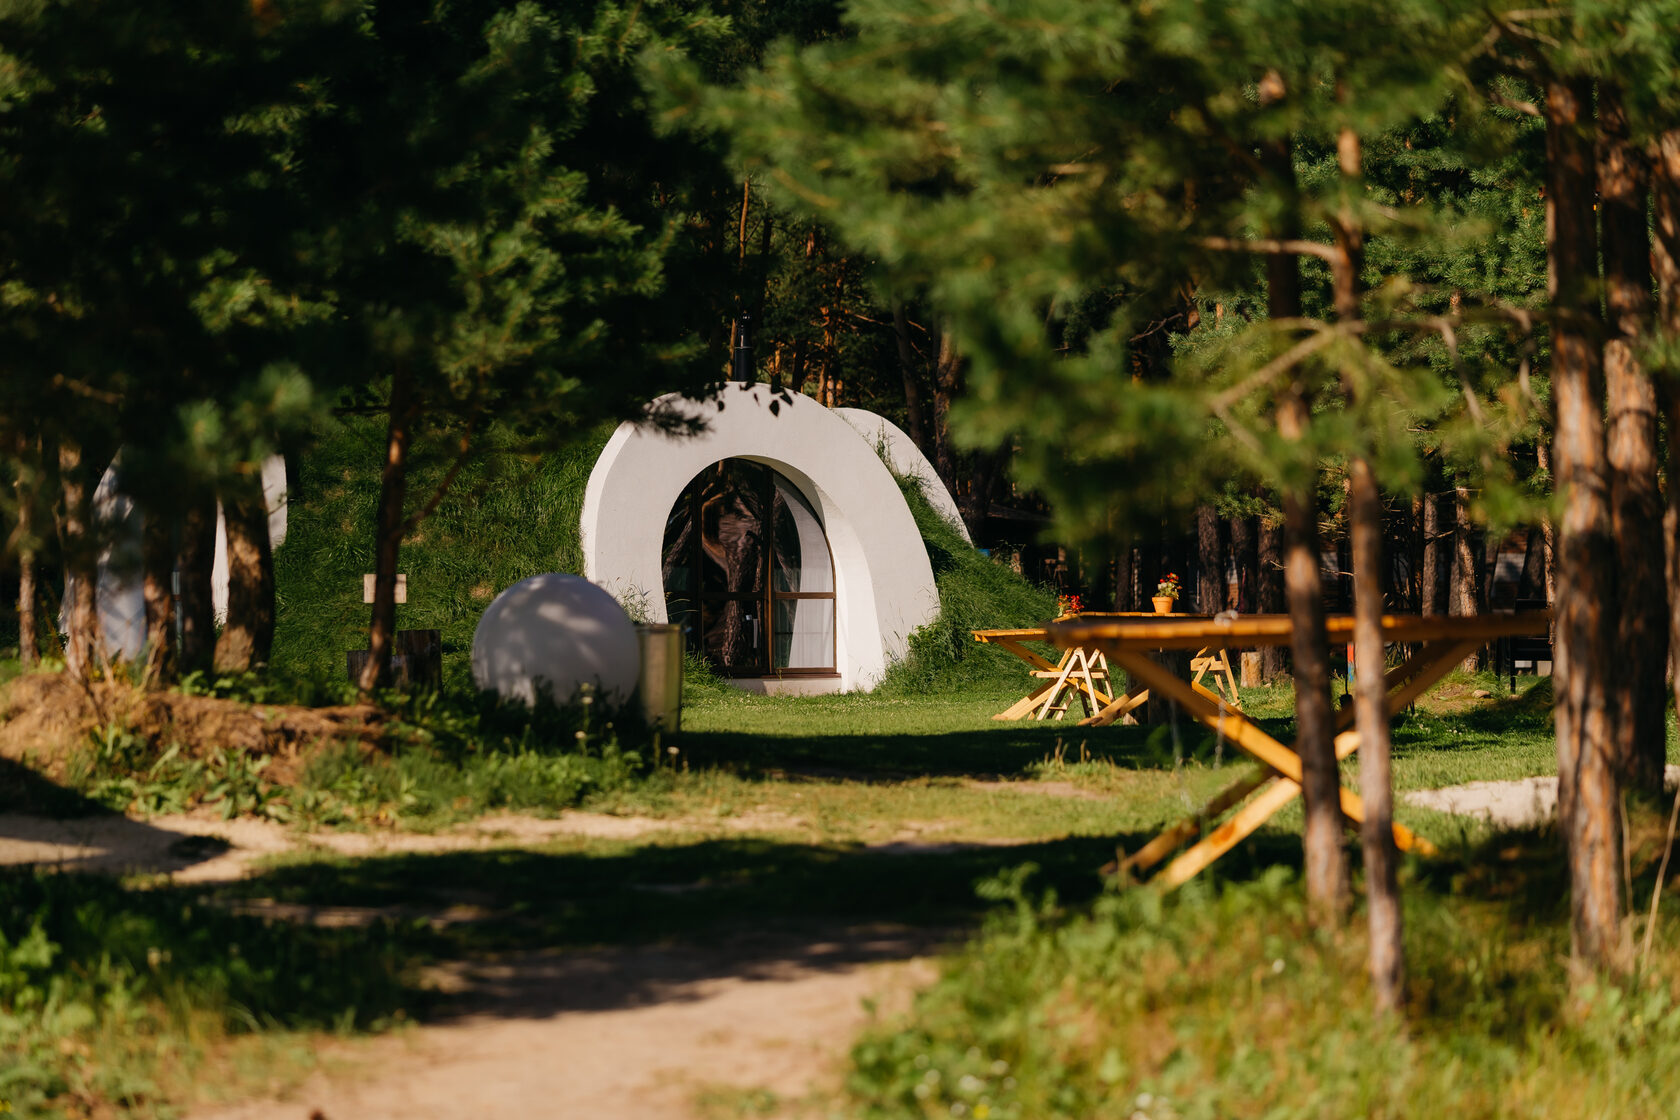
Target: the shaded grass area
pixel 112 993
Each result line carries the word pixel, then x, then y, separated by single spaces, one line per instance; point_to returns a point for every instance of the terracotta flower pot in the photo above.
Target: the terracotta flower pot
pixel 1163 604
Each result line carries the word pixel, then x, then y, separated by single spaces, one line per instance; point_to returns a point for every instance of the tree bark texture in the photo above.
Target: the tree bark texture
pixel 248 635
pixel 1548 532
pixel 944 392
pixel 1465 577
pixel 1326 863
pixel 1640 684
pixel 388 533
pixel 1245 555
pixel 26 487
pixel 1365 530
pixel 1414 553
pixel 1587 603
pixel 157 561
pixel 1269 593
pixel 1431 588
pixel 196 558
pixel 1665 192
pixel 909 369
pixel 1124 572
pixel 1376 789
pixel 1210 563
pixel 81 559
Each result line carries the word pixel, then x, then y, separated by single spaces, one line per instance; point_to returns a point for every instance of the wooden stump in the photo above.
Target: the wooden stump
pixel 1251 670
pixel 416 659
pixel 1158 709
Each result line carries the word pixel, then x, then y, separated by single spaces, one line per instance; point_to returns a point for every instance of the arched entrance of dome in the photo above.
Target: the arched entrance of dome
pixel 882 581
pixel 749 575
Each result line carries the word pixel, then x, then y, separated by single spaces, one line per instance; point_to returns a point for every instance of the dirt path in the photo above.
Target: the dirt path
pixel 204 848
pixel 1511 804
pixel 625 1034
pixel 615 1034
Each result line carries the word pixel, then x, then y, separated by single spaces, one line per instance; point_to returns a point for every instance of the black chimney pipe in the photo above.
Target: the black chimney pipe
pixel 741 364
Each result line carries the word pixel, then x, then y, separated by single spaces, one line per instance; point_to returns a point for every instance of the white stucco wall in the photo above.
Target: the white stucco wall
pixel 884 585
pixel 902 454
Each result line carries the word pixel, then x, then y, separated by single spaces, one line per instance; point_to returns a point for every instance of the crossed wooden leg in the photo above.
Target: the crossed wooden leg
pixel 1281 769
pixel 1078 669
pixel 1076 673
pixel 1224 681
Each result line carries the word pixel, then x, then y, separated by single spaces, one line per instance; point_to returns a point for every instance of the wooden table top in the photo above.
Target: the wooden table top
pixel 1149 632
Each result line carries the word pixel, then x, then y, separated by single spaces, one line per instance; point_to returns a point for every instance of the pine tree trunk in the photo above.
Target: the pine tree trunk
pixel 1365 530
pixel 196 559
pixel 81 568
pixel 1548 535
pixel 248 635
pixel 1273 663
pixel 1587 603
pixel 1124 565
pixel 1376 789
pixel 1210 566
pixel 1640 683
pixel 1245 554
pixel 393 489
pixel 1415 553
pixel 944 393
pixel 1465 574
pixel 1665 190
pixel 909 370
pixel 157 559
pixel 1430 587
pixel 26 486
pixel 1326 863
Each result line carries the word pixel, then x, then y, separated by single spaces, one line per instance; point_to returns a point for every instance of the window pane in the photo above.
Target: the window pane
pixel 732 527
pixel 801 561
pixel 804 634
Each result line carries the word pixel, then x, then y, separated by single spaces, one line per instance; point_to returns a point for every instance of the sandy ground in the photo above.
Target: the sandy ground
pixel 621 1034
pixel 630 1034
pixel 1507 804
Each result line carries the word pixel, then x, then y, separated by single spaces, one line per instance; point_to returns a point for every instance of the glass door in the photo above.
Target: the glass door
pixel 748 573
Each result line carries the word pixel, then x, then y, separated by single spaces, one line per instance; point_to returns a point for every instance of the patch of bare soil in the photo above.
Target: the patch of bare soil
pixel 45 717
pixel 622 1034
pixel 1043 789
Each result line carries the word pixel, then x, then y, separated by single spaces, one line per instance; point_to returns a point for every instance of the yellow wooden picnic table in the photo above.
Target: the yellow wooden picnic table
pixel 1083 675
pixel 1441 643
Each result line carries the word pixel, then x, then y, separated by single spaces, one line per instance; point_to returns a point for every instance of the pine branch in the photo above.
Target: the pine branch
pixel 1278 365
pixel 1295 245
